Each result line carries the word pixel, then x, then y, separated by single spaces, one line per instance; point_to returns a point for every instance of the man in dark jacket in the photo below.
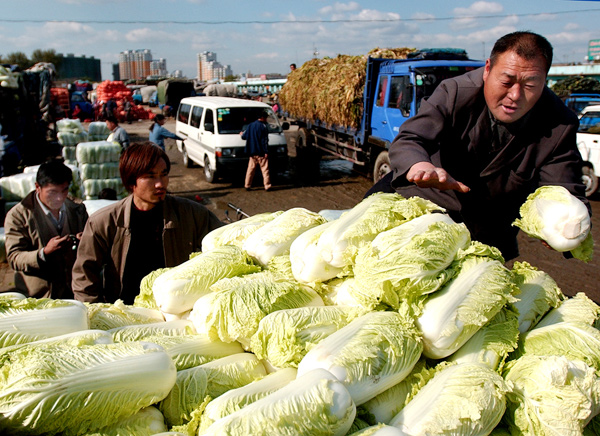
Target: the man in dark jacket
pixel 42 233
pixel 483 141
pixel 257 142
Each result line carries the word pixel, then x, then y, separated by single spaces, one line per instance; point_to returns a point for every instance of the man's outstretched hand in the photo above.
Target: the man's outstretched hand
pixel 426 175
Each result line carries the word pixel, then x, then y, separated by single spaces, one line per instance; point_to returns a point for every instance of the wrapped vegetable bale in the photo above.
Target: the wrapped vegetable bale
pixel 17 186
pixel 98 131
pixel 92 187
pixel 98 152
pixel 331 89
pixel 69 139
pixel 107 170
pixel 69 126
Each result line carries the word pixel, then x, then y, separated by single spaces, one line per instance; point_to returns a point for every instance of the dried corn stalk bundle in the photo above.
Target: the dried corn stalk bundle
pixel 331 89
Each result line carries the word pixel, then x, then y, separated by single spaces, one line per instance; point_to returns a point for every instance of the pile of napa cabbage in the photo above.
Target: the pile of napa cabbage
pixel 388 320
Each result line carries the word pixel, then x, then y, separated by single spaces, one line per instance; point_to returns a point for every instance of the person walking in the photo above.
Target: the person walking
pixel 158 133
pixel 257 142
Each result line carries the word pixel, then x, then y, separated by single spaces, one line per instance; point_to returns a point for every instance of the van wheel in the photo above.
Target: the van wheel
pixel 382 166
pixel 590 180
pixel 186 158
pixel 209 174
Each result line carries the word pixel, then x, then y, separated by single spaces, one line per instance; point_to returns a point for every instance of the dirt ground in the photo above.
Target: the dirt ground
pixel 337 186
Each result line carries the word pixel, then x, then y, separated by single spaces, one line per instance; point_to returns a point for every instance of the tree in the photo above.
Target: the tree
pixel 231 78
pixel 50 56
pixel 18 58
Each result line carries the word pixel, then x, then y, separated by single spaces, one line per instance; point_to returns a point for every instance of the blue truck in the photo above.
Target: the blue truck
pixel 393 91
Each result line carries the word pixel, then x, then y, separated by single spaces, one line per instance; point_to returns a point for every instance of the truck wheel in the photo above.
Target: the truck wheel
pixel 590 180
pixel 186 158
pixel 209 174
pixel 382 166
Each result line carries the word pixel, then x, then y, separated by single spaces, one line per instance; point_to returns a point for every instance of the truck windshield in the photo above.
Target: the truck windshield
pixel 590 122
pixel 428 78
pixel 233 120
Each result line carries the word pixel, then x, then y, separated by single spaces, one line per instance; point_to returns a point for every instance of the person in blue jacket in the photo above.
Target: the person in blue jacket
pixel 158 133
pixel 257 142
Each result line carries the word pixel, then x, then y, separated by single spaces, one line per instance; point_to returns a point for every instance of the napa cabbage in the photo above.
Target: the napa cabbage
pixel 147 422
pixel 316 403
pixel 106 316
pixel 177 289
pixel 578 308
pixel 275 237
pixel 551 395
pixel 554 215
pixel 138 332
pixel 460 399
pixel 339 243
pixel 409 260
pixel 369 355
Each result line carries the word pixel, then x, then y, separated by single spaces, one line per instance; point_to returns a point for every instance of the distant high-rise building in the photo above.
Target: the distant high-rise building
pixel 135 64
pixel 159 68
pixel 209 69
pixel 82 67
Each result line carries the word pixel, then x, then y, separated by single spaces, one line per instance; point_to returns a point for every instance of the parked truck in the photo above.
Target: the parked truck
pixel 392 92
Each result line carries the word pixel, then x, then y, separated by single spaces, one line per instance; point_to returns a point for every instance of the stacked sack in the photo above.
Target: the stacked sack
pixel 70 133
pixel 98 131
pixel 120 93
pixel 99 167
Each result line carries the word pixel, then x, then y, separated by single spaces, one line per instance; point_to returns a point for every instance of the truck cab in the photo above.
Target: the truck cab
pixel 400 87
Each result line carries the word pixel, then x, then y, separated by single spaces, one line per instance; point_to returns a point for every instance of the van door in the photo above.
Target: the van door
pixel 182 128
pixel 193 144
pixel 208 137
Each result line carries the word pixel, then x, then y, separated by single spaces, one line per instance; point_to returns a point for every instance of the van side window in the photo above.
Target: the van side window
pixel 184 113
pixel 209 121
pixel 399 94
pixel 196 115
pixel 381 91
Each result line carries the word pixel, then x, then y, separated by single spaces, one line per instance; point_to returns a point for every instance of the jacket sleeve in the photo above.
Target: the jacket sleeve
pixel 87 280
pixel 21 251
pixel 166 134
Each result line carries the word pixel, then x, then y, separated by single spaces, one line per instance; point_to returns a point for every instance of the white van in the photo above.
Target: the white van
pixel 211 127
pixel 588 143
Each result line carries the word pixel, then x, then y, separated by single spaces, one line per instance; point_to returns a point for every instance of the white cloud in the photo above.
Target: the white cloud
pixel 543 17
pixel 422 16
pixel 571 26
pixel 339 8
pixel 479 8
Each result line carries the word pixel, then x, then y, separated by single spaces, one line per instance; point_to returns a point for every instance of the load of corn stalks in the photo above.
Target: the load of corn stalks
pixel 331 89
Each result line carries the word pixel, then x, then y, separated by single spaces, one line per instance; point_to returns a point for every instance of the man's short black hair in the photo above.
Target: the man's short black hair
pixel 53 172
pixel 527 45
pixel 112 119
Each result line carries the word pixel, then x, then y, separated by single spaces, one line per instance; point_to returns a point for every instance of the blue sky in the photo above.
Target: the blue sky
pixel 265 36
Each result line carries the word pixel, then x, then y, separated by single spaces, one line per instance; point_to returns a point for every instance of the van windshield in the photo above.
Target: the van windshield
pixel 233 120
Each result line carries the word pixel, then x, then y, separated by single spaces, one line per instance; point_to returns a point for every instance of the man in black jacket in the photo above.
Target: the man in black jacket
pixel 257 142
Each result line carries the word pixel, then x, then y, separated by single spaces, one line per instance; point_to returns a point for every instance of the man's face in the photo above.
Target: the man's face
pixel 513 85
pixel 151 188
pixel 110 125
pixel 53 196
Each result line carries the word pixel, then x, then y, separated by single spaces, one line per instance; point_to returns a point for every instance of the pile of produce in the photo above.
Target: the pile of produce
pixel 331 89
pixel 120 93
pixel 388 320
pixel 98 163
pixel 61 97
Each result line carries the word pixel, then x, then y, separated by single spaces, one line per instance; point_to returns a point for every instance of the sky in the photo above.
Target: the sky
pixel 265 36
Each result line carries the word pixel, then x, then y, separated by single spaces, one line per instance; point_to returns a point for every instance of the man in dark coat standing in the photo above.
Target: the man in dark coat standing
pixel 257 142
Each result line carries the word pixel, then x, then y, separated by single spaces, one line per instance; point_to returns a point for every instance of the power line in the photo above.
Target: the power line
pixel 373 20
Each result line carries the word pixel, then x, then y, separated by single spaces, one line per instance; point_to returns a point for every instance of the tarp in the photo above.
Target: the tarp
pixel 171 91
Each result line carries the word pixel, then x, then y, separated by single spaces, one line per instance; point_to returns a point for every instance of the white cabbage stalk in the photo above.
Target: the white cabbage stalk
pixel 313 404
pixel 492 343
pixel 32 319
pixel 369 355
pixel 106 316
pixel 378 430
pixel 275 237
pixel 147 422
pixel 12 295
pixel 75 339
pixel 133 333
pixel 390 402
pixel 551 395
pixel 234 307
pixel 284 337
pixel 554 215
pixel 177 289
pixel 539 293
pixel 377 213
pixel 578 308
pixel 340 292
pixel 307 264
pixel 237 232
pixel 236 399
pixel 193 350
pixel 575 341
pixel 196 386
pixel 409 260
pixel 73 390
pixel 465 304
pixel 466 399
